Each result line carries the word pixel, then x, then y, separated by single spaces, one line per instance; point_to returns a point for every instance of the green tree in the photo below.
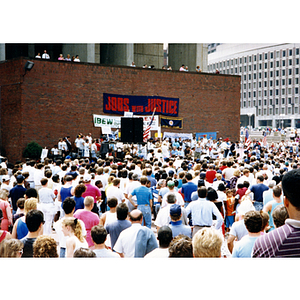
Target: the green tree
pixel 33 150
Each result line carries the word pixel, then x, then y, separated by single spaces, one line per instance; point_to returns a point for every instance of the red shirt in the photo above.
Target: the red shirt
pixel 210 175
pixel 93 191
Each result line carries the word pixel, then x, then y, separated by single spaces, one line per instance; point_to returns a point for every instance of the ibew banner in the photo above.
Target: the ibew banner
pixel 115 122
pixel 207 135
pixel 140 105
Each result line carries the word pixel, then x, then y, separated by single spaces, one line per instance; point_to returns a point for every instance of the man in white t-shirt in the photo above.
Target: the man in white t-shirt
pixel 115 191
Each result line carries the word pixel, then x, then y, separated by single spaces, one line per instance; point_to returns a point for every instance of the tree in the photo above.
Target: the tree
pixel 33 150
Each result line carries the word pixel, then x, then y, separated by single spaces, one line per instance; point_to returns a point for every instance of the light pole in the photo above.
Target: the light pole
pixel 249 116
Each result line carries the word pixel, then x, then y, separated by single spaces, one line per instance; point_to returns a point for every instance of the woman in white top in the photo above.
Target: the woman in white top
pixel 71 227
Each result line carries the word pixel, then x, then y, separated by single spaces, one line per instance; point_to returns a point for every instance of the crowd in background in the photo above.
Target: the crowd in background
pixel 168 198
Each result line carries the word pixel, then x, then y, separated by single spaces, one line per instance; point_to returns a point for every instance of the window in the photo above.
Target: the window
pixel 296 80
pixel 259 102
pixel 277 101
pixel 277 54
pixel 277 63
pixel 290 62
pixel 254 67
pixel 271 101
pixel 297 61
pixel 290 100
pixel 290 52
pixel 259 84
pixel 277 82
pixel 254 94
pixel 254 84
pixel 254 76
pixel 296 70
pixel 254 57
pixel 249 68
pixel 270 111
pixel 289 110
pixel 240 60
pixel 223 64
pixel 259 66
pixel 245 68
pixel 227 63
pixel 266 65
pixel 249 76
pixel 265 84
pixel 271 83
pixel 296 100
pixel 283 63
pixel 271 55
pixel 282 101
pixel 249 85
pixel 283 53
pixel 282 110
pixel 235 70
pixel 283 92
pixel 296 90
pixel 249 94
pixel 265 102
pixel 296 110
pixel 259 93
pixel 266 55
pixel 245 86
pixel 236 61
pixel 277 92
pixel 240 69
pixel 290 81
pixel 277 111
pixel 283 72
pixel 249 58
pixel 265 93
pixel 297 51
pixel 245 59
pixel 283 81
pixel 245 95
pixel 245 77
pixel 290 71
pixel 232 62
pixel 277 73
pixel 271 64
pixel 271 73
pixel 259 112
pixel 289 91
pixel 266 74
pixel 260 56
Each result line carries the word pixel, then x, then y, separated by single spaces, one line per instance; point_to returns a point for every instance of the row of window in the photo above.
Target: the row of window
pixel 266 56
pixel 271 102
pixel 264 112
pixel 283 81
pixel 289 92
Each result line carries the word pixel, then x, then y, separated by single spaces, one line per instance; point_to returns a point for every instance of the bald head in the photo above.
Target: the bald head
pixel 136 216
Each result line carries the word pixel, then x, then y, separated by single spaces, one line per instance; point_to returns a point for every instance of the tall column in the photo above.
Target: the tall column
pixel 2 52
pixel 149 54
pixel 190 55
pixel 86 52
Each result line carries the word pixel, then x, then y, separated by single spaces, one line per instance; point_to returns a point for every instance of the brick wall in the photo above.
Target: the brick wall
pixel 56 99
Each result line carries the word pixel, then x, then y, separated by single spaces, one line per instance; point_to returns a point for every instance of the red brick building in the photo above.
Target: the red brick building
pixel 55 99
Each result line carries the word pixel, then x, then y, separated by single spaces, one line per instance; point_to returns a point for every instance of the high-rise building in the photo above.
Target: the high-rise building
pixel 269 81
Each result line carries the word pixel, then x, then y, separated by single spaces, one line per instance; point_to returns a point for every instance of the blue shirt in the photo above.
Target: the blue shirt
pixel 115 228
pixel 243 248
pixel 202 211
pixel 178 228
pixel 257 190
pixel 143 195
pixel 16 193
pixel 187 190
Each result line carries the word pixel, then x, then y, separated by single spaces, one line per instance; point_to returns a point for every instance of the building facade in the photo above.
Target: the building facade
pixel 269 81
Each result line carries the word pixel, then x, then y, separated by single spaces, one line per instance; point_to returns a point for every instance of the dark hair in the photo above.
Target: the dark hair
pixel 164 236
pixel 290 187
pixel 122 211
pixel 188 176
pixel 20 203
pixel 171 198
pixel 31 193
pixel 279 215
pixel 84 252
pixel 79 190
pixel 181 246
pixel 253 221
pixel 211 194
pixel 277 191
pixel 98 234
pixel 202 192
pixel 34 218
pixel 68 205
pixel 112 202
pixel 44 181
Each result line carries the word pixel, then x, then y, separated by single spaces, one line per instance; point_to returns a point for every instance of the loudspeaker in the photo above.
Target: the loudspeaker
pixel 29 65
pixel 132 130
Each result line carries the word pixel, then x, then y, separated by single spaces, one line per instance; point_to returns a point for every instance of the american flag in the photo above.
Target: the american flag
pixel 147 130
pixel 248 140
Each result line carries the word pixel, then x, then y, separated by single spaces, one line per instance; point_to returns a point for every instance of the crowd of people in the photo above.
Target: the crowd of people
pixel 45 55
pixel 168 68
pixel 168 198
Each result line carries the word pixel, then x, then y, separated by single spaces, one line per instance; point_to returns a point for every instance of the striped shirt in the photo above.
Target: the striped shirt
pixel 281 242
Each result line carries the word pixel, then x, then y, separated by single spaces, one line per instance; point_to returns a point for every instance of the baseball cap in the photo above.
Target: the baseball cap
pixel 171 183
pixel 87 177
pixel 5 178
pixel 175 209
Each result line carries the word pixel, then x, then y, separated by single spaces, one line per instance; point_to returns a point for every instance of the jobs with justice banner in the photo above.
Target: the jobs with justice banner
pixel 140 105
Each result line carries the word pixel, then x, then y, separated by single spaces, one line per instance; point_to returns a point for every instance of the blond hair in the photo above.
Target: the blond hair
pixel 207 242
pixel 3 194
pixel 10 247
pixel 75 226
pixel 30 204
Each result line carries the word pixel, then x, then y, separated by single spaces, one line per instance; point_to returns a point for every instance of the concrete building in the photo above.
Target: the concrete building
pixel 269 81
pixel 152 54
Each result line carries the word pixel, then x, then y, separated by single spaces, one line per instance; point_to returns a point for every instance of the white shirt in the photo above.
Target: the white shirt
pixel 126 241
pixel 38 175
pixel 114 191
pixel 179 199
